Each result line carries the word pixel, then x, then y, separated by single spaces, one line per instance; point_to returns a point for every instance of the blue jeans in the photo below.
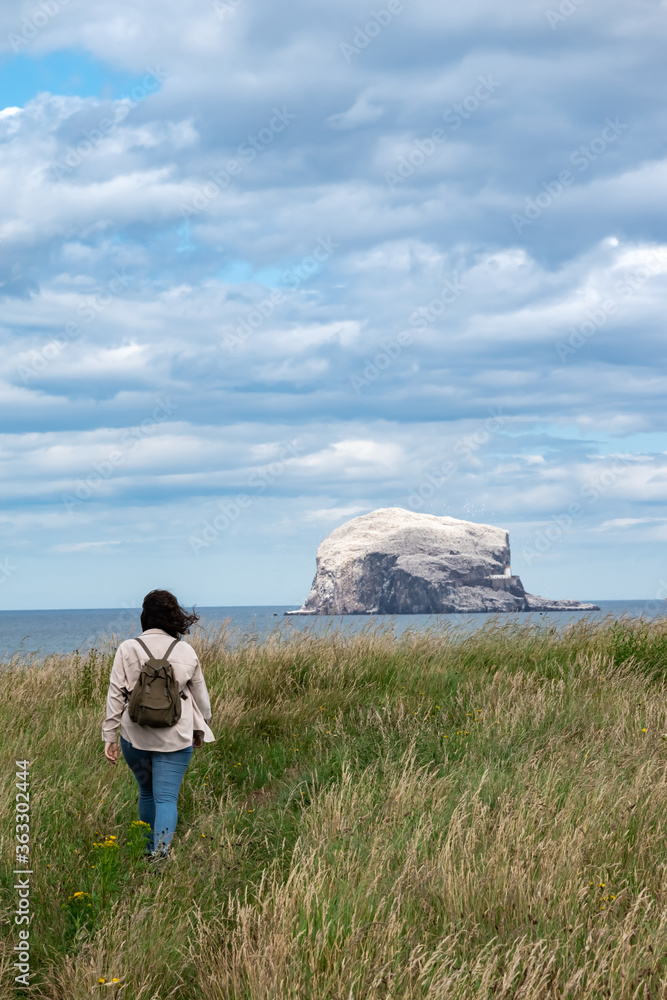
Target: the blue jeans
pixel 159 775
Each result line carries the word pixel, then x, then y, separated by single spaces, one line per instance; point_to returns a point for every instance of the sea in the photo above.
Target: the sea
pixel 31 634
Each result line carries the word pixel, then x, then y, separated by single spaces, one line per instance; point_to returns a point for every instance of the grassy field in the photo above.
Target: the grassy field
pixel 428 816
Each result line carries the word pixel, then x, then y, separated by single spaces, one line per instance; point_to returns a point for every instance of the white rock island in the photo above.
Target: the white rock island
pixel 394 561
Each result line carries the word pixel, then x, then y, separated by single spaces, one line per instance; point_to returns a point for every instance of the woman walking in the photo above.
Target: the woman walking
pixel 158 757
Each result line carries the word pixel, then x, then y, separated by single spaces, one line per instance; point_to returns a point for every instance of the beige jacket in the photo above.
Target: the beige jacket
pixel 195 707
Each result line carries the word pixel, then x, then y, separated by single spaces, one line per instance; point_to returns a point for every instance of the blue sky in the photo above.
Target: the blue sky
pixel 267 267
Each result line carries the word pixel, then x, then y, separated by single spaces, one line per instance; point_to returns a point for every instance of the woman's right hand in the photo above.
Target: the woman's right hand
pixel 197 738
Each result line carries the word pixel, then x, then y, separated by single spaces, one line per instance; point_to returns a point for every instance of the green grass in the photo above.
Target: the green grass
pixel 435 815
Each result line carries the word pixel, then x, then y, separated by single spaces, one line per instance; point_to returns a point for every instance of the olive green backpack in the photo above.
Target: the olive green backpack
pixel 155 699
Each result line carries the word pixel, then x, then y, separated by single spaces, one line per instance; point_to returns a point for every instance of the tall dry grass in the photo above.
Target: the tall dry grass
pixel 435 815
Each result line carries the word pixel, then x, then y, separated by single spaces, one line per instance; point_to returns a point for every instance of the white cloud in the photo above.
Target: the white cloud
pixel 84 546
pixel 627 522
pixel 362 112
pixel 334 513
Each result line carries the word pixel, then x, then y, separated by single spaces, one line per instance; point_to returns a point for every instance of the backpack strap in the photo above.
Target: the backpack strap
pixel 142 643
pixel 166 655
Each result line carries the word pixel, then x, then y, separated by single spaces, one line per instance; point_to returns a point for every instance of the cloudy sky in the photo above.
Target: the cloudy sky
pixel 269 266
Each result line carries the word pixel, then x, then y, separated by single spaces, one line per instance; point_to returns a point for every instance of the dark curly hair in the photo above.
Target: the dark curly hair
pixel 161 610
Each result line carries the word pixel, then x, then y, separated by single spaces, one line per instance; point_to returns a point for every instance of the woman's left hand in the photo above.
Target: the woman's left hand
pixel 111 752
